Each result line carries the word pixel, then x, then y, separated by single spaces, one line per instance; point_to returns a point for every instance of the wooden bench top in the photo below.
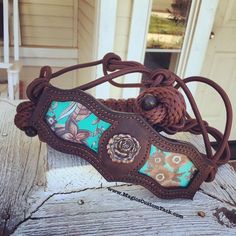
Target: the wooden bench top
pixel 45 192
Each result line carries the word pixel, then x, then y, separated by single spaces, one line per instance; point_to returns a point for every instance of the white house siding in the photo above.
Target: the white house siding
pixel 48 23
pixel 124 11
pixel 28 73
pixel 69 24
pixel 87 16
pixel 123 20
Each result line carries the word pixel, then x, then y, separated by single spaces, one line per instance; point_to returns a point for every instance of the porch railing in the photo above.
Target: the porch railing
pixel 11 64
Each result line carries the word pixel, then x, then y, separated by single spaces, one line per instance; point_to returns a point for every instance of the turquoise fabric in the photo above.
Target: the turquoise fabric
pixel 169 169
pixel 60 112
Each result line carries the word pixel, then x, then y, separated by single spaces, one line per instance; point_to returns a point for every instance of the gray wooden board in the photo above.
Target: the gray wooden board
pixel 41 192
pixel 20 159
pixel 106 213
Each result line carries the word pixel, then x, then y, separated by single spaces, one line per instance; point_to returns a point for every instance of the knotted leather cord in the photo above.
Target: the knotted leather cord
pixel 144 70
pixel 193 127
pixel 213 131
pixel 159 83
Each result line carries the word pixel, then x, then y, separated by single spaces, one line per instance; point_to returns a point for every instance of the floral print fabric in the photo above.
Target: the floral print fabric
pixel 168 169
pixel 76 123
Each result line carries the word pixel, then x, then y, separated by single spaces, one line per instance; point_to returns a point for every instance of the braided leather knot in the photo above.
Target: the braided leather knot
pixel 107 64
pixel 35 89
pixel 170 109
pixel 25 110
pixel 160 77
pixel 22 119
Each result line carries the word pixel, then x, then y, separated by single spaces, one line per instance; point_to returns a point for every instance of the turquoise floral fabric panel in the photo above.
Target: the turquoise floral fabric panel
pixel 168 168
pixel 76 123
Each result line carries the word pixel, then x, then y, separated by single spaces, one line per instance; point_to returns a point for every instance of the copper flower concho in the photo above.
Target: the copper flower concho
pixel 123 148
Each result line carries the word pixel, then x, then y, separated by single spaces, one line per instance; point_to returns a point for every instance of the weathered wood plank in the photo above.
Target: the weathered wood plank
pixel 107 213
pixel 41 192
pixel 19 168
pixel 71 173
pixel 72 179
pixel 224 185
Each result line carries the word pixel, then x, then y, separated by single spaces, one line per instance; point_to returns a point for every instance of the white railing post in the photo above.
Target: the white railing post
pixel 10 86
pixel 13 69
pixel 6 31
pixel 105 38
pixel 16 29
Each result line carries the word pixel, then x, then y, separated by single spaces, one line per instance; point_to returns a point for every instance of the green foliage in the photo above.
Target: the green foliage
pixel 164 45
pixel 165 26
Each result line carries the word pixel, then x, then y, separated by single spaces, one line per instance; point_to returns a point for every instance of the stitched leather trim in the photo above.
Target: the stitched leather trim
pixel 121 122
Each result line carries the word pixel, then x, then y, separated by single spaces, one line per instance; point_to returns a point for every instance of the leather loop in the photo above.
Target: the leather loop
pixel 45 72
pixel 108 61
pixel 112 62
pixel 169 114
pixel 116 74
pixel 160 77
pixel 35 89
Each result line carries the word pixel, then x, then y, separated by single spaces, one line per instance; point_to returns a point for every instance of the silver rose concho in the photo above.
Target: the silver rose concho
pixel 122 148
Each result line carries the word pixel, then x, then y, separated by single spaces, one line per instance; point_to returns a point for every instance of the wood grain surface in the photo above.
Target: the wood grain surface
pixel 45 192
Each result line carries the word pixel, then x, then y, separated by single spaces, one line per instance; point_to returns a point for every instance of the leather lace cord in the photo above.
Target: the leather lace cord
pixel 169 115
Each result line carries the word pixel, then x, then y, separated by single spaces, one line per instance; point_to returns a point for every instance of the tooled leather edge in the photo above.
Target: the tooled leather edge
pixel 45 133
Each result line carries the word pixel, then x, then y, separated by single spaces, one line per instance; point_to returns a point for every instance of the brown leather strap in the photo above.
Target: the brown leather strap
pixel 228 108
pixel 197 126
pixel 170 113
